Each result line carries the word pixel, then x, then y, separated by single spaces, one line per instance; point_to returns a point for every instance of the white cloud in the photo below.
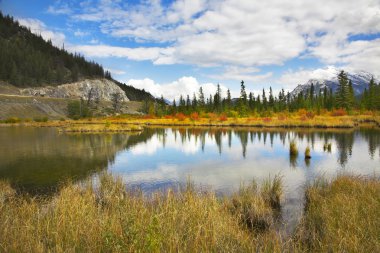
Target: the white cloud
pixel 186 85
pixel 39 28
pixel 155 54
pixel 245 32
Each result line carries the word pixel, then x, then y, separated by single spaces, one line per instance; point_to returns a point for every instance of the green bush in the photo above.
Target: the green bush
pixel 41 119
pixel 77 109
pixel 12 120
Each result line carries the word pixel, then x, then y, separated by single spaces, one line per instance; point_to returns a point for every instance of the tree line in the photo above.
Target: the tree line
pixel 267 103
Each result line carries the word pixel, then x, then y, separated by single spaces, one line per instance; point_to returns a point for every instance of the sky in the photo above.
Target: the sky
pixel 174 47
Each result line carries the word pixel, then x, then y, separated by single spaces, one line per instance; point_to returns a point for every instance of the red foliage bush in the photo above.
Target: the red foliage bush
pixel 339 112
pixel 267 119
pixel 149 116
pixel 180 116
pixel 194 116
pixel 168 117
pixel 223 117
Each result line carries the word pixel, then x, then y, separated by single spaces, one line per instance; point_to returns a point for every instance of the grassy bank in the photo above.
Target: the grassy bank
pixel 340 216
pixel 279 120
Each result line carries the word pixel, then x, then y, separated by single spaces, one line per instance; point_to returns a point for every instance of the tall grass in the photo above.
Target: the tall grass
pixel 307 153
pixel 111 218
pixel 293 150
pixel 340 216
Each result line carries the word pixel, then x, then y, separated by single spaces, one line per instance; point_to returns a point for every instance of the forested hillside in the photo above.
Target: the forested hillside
pixel 133 93
pixel 27 60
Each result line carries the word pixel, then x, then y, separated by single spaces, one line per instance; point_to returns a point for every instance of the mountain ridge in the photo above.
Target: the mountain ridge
pixel 360 81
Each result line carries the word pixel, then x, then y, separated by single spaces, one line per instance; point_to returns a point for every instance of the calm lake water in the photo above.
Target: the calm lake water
pixel 37 160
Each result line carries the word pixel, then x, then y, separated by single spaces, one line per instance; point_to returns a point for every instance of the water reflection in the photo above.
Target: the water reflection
pixel 220 158
pixel 39 160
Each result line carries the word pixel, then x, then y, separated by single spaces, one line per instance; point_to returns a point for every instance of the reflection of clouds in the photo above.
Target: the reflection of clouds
pixel 190 146
pixel 163 172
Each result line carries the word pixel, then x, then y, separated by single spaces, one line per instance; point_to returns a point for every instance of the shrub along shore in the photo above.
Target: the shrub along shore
pixel 302 119
pixel 340 216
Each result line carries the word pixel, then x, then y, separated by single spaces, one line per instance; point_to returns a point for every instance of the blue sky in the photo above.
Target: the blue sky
pixel 174 47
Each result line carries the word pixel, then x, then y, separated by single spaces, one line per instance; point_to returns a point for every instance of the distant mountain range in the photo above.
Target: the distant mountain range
pixel 360 81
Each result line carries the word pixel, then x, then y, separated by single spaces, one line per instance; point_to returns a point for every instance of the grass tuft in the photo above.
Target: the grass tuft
pixel 293 150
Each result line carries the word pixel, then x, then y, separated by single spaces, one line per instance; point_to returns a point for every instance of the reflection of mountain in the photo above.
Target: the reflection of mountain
pixel 39 159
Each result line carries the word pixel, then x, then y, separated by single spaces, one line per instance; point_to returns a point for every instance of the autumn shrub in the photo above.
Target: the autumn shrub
pixel 180 116
pixel 302 112
pixel 168 117
pixel 149 116
pixel 194 116
pixel 267 119
pixel 223 117
pixel 281 116
pixel 310 115
pixel 339 112
pixel 212 116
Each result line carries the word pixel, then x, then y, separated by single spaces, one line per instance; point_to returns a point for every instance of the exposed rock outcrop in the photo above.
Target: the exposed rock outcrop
pixel 101 89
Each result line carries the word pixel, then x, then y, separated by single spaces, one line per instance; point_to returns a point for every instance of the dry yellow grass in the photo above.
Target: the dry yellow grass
pixel 99 128
pixel 340 216
pixel 113 219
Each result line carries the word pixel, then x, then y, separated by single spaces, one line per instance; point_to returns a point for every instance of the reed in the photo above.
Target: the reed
pixel 293 150
pixel 307 153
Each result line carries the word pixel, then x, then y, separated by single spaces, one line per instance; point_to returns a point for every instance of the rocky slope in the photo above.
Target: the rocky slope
pixel 101 89
pixel 360 81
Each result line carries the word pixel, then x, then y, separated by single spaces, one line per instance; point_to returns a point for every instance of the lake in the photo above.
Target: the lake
pixel 37 160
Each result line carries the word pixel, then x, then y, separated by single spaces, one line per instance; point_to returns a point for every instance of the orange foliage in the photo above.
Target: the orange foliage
pixel 168 117
pixel 223 117
pixel 339 112
pixel 194 116
pixel 180 116
pixel 310 115
pixel 267 119
pixel 149 116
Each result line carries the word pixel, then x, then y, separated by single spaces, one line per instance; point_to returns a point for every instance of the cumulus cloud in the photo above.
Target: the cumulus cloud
pixel 39 28
pixel 243 33
pixel 186 85
pixel 155 54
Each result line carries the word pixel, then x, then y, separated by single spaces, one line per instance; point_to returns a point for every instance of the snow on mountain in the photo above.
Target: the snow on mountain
pixel 360 81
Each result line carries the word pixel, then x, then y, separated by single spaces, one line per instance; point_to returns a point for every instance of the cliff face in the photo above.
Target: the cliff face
pixel 101 89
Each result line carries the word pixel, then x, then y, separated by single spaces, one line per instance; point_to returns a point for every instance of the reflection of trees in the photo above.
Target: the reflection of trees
pixel 372 136
pixel 243 137
pixel 344 139
pixel 344 143
pixel 37 160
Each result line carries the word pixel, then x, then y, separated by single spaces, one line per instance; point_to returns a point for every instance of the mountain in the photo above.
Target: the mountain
pixel 28 61
pixel 360 81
